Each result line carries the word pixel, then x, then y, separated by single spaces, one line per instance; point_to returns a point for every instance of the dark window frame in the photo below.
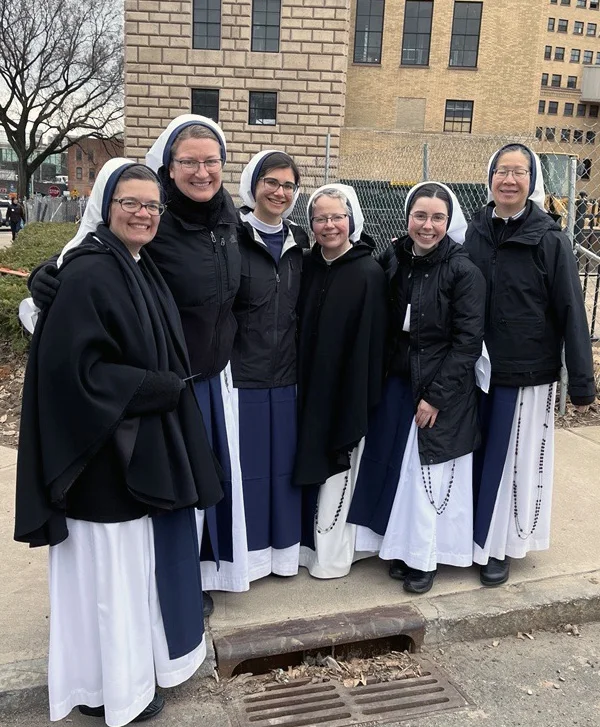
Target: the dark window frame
pixel 580 110
pixel 565 135
pixel 577 136
pixel 587 30
pixel 593 110
pixel 556 80
pixel 450 123
pixel 539 132
pixel 575 55
pixel 263 38
pixel 550 133
pixel 200 104
pixel 551 24
pixel 548 53
pixel 541 106
pixel 552 108
pixel 559 53
pixel 571 81
pixel 578 27
pixel 588 57
pixel 590 136
pixel 365 51
pixel 562 26
pixel 254 107
pixel 79 173
pixel 569 109
pixel 458 38
pixel 407 33
pixel 204 13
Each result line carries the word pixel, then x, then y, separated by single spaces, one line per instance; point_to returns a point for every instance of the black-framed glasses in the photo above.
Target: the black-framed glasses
pixel 437 219
pixel 193 165
pixel 272 185
pixel 128 204
pixel 336 219
pixel 502 173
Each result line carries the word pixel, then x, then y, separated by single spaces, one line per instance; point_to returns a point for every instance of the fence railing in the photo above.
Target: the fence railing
pixel 54 209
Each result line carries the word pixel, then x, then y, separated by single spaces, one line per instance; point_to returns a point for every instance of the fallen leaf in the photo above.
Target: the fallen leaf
pixel 495 643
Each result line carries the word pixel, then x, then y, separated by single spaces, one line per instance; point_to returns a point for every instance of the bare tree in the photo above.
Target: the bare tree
pixel 61 74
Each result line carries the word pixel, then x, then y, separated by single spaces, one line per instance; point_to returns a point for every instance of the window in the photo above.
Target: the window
pixel 369 31
pixel 565 135
pixel 578 136
pixel 548 53
pixel 79 173
pixel 559 54
pixel 541 107
pixel 78 154
pixel 578 27
pixel 590 137
pixel 205 101
pixel 587 169
pixel 593 112
pixel 569 108
pixel 588 56
pixel 266 17
pixel 580 109
pixel 458 116
pixel 563 25
pixel 575 55
pixel 207 24
pixel 552 107
pixel 571 81
pixel 553 2
pixel 591 29
pixel 593 4
pixel 90 157
pixel 565 2
pixel 598 58
pixel 581 3
pixel 91 174
pixel 465 34
pixel 539 130
pixel 417 33
pixel 556 80
pixel 550 133
pixel 263 108
pixel 551 22
pixel 544 79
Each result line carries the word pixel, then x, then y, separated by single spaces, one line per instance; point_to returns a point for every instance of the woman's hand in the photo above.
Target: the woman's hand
pixel 426 414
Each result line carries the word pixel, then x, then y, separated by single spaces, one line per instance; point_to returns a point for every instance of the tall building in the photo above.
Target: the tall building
pixel 369 76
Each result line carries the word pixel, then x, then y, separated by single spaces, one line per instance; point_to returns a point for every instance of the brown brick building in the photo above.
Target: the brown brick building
pixel 373 74
pixel 85 159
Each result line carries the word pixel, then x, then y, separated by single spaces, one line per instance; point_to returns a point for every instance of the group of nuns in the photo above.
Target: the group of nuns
pixel 209 399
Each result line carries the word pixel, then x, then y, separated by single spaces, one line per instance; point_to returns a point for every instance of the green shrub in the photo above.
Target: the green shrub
pixel 35 243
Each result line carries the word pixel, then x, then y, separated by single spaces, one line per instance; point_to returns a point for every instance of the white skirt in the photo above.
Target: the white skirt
pixel 335 539
pixel 107 639
pixel 503 537
pixel 416 533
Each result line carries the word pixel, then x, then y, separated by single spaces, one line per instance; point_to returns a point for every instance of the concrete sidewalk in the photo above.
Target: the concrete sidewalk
pixel 557 586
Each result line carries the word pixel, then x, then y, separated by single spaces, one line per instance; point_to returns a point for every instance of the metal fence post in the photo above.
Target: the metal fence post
pixel 425 162
pixel 571 203
pixel 327 156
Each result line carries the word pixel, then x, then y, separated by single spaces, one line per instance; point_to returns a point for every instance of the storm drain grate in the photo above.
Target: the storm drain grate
pixel 304 704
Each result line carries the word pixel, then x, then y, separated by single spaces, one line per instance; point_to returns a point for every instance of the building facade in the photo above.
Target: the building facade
pixel 85 158
pixel 352 77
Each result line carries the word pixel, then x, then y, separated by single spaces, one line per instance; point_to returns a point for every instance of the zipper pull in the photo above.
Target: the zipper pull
pixel 214 240
pixel 277 279
pixel 222 242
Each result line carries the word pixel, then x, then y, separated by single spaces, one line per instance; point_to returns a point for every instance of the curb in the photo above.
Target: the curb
pixel 482 613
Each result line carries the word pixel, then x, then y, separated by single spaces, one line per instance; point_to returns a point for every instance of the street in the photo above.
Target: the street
pixel 5 237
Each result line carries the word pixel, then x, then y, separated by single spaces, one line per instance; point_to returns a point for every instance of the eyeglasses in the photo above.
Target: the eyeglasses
pixel 192 165
pixel 272 185
pixel 502 172
pixel 336 219
pixel 155 209
pixel 437 219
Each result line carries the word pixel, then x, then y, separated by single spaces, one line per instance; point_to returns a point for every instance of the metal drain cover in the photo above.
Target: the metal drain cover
pixel 303 704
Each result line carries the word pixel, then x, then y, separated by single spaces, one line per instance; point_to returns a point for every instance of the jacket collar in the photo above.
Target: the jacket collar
pixel 228 216
pixel 532 226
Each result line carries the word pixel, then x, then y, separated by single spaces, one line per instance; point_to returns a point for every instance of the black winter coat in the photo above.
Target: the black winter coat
pixel 446 293
pixel 264 349
pixel 202 269
pixel 341 358
pixel 534 301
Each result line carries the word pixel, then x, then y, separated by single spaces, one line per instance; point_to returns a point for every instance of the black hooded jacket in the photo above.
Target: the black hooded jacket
pixel 446 293
pixel 534 301
pixel 264 349
pixel 341 351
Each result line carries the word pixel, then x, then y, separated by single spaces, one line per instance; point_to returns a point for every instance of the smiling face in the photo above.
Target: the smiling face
pixel 510 193
pixel 138 228
pixel 331 236
pixel 201 186
pixel 271 204
pixel 426 236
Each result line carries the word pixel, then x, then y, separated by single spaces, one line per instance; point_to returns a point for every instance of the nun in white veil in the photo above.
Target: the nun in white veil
pixel 413 500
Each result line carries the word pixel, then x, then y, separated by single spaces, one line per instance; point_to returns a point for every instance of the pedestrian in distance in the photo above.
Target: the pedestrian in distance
pixel 413 501
pixel 15 216
pixel 534 305
pixel 113 462
pixel 342 323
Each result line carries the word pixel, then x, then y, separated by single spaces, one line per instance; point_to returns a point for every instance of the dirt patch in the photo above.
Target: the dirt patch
pixel 12 374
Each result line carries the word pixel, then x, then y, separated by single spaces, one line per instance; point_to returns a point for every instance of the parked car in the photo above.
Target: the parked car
pixel 3 207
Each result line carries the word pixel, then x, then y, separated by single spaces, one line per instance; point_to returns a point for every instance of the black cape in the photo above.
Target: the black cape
pixel 112 321
pixel 341 356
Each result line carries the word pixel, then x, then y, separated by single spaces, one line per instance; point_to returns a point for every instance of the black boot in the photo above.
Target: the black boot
pixel 419 581
pixel 398 570
pixel 208 604
pixel 151 710
pixel 495 572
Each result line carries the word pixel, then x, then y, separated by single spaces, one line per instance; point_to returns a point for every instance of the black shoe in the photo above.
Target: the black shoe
pixel 495 572
pixel 398 570
pixel 208 604
pixel 151 710
pixel 419 581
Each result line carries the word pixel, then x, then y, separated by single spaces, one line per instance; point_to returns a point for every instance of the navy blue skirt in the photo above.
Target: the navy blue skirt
pixel 217 539
pixel 381 462
pixel 268 436
pixel 496 413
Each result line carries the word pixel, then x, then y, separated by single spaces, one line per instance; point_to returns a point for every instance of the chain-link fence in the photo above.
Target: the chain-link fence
pixel 54 209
